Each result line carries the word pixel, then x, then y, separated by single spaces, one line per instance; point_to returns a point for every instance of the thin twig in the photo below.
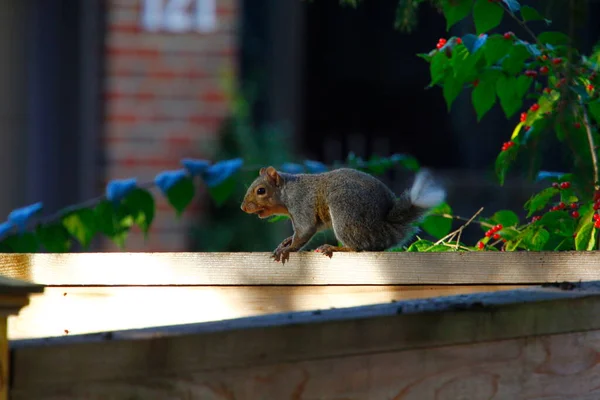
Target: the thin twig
pixel 451 235
pixel 458 218
pixel 590 137
pixel 521 23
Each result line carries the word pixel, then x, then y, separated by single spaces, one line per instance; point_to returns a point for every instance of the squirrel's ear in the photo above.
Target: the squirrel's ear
pixel 273 176
pixel 261 172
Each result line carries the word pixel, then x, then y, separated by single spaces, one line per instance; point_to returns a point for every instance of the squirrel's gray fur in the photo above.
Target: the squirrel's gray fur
pixel 363 212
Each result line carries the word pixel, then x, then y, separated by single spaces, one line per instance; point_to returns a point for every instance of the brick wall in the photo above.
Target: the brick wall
pixel 164 101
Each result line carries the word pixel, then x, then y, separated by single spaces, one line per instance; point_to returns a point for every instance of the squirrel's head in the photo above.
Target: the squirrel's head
pixel 262 197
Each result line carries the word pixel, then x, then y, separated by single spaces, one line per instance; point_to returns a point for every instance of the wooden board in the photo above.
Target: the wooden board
pixel 299 336
pixel 304 268
pixel 555 367
pixel 473 345
pixel 77 310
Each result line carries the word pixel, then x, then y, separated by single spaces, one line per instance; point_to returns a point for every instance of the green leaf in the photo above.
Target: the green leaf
pixel 515 62
pixel 423 245
pixel 452 88
pixel 540 200
pixel 81 224
pixel 487 15
pixel 586 237
pixel 495 48
pixel 559 223
pixel 536 239
pixel 553 38
pixel 455 10
pixel 503 161
pixel 523 85
pixel 221 193
pixel 440 64
pixel 54 238
pixel 22 243
pixel 483 97
pixel 474 42
pixel 277 218
pixel 435 224
pixel 595 110
pixel 140 205
pixel 505 217
pixel 111 223
pixel 181 194
pixel 531 14
pixel 506 88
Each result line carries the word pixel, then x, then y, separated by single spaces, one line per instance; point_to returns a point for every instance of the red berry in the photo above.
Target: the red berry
pixel 547 90
pixel 596 217
pixel 597 224
pixel 441 43
pixel 565 185
pixel 489 233
pixel 497 227
pixel 574 205
pixel 496 236
pixel 480 245
pixel 597 195
pixel 561 205
pixel 526 128
pixel 544 57
pixel 535 107
pixel 575 214
pixel 557 61
pixel 555 185
pixel 531 73
pixel 476 82
pixel 536 218
pixel 590 87
pixel 458 40
pixel 544 70
pixel 523 116
pixel 577 125
pixel 508 35
pixel 596 206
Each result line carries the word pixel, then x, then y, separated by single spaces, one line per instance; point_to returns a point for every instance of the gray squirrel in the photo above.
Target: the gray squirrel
pixel 363 212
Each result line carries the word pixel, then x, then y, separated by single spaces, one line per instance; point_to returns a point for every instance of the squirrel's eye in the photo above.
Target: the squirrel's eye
pixel 261 190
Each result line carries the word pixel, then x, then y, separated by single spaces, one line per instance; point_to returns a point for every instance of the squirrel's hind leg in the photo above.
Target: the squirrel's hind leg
pixel 328 249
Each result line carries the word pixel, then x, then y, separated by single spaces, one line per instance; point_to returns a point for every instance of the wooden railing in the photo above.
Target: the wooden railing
pixel 360 326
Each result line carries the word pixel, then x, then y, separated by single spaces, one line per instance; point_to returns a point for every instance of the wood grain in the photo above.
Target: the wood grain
pixel 304 268
pixel 79 310
pixel 56 364
pixel 554 367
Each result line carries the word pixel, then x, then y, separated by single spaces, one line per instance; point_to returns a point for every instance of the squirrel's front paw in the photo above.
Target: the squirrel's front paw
pixel 281 254
pixel 326 249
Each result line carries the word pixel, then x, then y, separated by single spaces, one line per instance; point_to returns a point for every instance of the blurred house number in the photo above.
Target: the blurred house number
pixel 179 15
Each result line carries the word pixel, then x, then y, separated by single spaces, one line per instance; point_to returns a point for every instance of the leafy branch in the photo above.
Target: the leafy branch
pixel 127 203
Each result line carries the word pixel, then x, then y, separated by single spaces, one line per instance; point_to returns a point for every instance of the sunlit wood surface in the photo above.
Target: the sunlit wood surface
pixel 93 292
pixel 532 343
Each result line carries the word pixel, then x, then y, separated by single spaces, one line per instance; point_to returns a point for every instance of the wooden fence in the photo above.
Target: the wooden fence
pixel 357 326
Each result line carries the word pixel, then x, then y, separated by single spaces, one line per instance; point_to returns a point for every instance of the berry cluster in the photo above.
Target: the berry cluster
pixel 492 232
pixel 597 221
pixel 441 43
pixel 507 145
pixel 562 185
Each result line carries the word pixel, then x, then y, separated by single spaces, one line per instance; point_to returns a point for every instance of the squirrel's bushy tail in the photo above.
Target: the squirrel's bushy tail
pixel 415 202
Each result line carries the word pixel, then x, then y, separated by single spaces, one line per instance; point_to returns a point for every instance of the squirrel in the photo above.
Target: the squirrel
pixel 363 212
